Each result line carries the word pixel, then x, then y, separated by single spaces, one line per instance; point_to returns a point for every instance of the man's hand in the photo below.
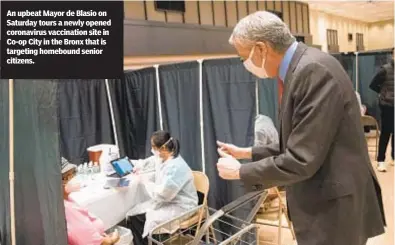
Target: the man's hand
pixel 228 167
pixel 234 151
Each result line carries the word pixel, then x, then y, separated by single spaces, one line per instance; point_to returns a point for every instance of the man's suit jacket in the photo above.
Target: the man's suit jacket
pixel 333 194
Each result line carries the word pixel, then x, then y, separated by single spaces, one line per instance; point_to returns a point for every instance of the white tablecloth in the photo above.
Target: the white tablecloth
pixel 111 205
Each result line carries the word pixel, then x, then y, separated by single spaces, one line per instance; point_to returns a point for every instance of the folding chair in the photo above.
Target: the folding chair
pixel 202 185
pixel 368 121
pixel 274 193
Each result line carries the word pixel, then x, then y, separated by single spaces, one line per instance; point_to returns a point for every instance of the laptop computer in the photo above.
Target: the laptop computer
pixel 122 167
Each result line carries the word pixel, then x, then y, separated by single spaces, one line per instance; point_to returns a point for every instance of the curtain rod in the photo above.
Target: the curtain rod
pixel 364 52
pixel 11 158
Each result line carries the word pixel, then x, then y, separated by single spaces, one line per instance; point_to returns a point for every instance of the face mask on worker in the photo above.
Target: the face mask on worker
pixel 251 67
pixel 157 157
pixel 155 153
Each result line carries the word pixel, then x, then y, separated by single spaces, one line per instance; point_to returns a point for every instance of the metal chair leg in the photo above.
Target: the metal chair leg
pixel 377 143
pixel 280 227
pixel 213 232
pixel 282 210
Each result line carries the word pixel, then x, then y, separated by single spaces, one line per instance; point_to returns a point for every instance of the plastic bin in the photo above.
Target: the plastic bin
pixel 126 237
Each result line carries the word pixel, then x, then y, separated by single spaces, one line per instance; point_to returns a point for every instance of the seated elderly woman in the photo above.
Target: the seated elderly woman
pixel 172 192
pixel 82 227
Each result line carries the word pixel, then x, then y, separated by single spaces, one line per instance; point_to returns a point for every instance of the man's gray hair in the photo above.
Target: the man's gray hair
pixel 263 26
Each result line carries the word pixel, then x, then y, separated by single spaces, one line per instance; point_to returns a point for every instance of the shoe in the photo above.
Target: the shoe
pixel 381 167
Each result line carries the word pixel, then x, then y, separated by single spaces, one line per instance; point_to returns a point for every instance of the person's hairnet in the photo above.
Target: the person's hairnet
pixel 265 131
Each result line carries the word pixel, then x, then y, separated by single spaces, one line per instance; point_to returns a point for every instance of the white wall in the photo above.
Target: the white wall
pixel 320 22
pixel 148 61
pixel 378 35
pixel 381 35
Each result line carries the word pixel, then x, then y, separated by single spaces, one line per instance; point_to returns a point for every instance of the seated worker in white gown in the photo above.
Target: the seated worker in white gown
pixel 361 106
pixel 265 131
pixel 172 192
pixel 266 134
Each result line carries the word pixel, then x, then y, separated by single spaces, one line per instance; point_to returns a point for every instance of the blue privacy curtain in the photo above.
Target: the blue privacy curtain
pixel 268 98
pixel 5 226
pixel 134 100
pixel 229 113
pixel 84 117
pixel 179 93
pixel 347 60
pixel 39 210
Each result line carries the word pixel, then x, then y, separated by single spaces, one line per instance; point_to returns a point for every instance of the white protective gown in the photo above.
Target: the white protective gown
pixel 362 107
pixel 265 131
pixel 172 193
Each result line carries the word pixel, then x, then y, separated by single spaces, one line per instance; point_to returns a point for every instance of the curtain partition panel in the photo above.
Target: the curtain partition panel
pixel 135 109
pixel 5 222
pixel 38 183
pixel 229 113
pixel 179 90
pixel 85 118
pixel 268 98
pixel 347 60
pixel 368 66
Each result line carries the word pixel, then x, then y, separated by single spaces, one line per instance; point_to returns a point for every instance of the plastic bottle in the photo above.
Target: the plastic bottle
pixel 85 172
pixel 96 170
pixel 104 159
pixel 79 173
pixel 90 170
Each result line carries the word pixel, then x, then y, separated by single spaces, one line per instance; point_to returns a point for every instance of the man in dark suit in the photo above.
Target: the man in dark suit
pixel 333 194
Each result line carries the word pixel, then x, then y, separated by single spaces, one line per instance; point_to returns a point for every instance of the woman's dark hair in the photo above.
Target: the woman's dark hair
pixel 163 139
